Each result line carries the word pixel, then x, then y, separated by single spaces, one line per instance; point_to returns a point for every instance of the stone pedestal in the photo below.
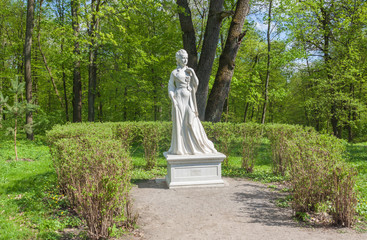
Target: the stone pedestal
pixel 194 170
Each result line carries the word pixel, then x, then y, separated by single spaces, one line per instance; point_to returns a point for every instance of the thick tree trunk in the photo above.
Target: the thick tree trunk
pixel 211 36
pixel 226 67
pixel 93 49
pixel 207 55
pixel 266 90
pixel 27 61
pixel 188 35
pixel 77 81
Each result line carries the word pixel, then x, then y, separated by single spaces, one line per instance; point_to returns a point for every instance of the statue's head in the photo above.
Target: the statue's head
pixel 182 57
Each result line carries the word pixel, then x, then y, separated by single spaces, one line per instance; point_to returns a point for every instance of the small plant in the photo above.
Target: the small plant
pixel 17 110
pixel 284 202
pixel 303 216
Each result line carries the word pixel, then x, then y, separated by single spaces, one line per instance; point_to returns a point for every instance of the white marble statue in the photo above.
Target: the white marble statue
pixel 188 135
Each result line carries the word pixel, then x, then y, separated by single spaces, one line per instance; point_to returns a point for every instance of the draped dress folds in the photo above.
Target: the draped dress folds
pixel 188 135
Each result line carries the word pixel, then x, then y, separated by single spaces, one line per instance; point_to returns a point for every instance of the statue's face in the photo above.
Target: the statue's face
pixel 182 59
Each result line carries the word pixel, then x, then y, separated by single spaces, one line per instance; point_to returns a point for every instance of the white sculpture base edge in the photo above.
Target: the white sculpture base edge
pixel 202 170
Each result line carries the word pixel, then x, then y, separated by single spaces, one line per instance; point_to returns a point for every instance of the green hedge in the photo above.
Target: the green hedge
pixel 312 161
pixel 95 176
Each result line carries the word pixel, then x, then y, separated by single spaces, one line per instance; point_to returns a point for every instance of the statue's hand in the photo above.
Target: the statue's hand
pixel 190 71
pixel 174 102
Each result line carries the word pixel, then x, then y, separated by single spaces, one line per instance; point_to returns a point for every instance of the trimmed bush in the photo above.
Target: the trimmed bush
pixel 223 135
pixel 312 161
pixel 344 199
pixel 319 177
pixel 251 141
pixel 278 135
pixel 150 135
pixel 126 133
pixel 95 176
pixel 78 130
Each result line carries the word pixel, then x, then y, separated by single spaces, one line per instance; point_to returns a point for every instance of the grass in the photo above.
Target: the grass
pixel 30 204
pixel 358 159
pixel 32 208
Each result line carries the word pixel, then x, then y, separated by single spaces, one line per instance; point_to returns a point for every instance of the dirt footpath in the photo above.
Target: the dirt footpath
pixel 241 210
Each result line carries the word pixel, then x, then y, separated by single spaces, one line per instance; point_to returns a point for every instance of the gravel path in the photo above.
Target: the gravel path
pixel 241 210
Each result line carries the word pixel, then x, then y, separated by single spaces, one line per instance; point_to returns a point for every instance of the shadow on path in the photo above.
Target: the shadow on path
pixel 257 204
pixel 157 183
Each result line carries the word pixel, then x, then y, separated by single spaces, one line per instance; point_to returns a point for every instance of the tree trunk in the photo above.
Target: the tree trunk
pixel 61 13
pixel 44 57
pixel 77 81
pixel 188 35
pixel 27 61
pixel 93 49
pixel 266 90
pixel 327 35
pixel 207 55
pixel 226 67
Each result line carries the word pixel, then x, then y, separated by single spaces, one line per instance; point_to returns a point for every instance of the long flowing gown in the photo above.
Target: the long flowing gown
pixel 188 135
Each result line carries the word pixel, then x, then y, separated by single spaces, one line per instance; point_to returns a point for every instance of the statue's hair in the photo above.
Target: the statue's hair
pixel 181 52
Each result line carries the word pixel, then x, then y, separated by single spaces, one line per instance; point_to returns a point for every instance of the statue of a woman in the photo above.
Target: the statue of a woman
pixel 188 135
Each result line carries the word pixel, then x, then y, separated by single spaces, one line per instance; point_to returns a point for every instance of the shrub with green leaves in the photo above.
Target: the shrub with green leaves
pixel 251 141
pixel 79 130
pixel 278 135
pixel 126 133
pixel 319 177
pixel 95 176
pixel 150 133
pixel 223 135
pixel 344 196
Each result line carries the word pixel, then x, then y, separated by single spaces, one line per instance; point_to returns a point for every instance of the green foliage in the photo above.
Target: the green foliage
pixel 318 175
pixel 95 175
pixel 251 140
pixel 358 160
pixel 127 133
pixel 30 202
pixel 345 198
pixel 17 110
pixel 278 135
pixel 80 130
pixel 311 161
pixel 150 134
pixel 223 135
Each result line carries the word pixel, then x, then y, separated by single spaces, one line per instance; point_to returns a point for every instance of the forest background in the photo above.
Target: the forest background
pixel 298 62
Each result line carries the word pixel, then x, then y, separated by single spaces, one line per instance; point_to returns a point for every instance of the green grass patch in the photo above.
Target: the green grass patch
pixel 358 159
pixel 30 204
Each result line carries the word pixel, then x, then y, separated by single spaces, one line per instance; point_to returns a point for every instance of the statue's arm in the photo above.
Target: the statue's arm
pixel 171 88
pixel 194 79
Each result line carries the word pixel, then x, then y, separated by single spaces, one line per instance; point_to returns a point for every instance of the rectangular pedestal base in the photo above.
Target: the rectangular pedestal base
pixel 194 170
